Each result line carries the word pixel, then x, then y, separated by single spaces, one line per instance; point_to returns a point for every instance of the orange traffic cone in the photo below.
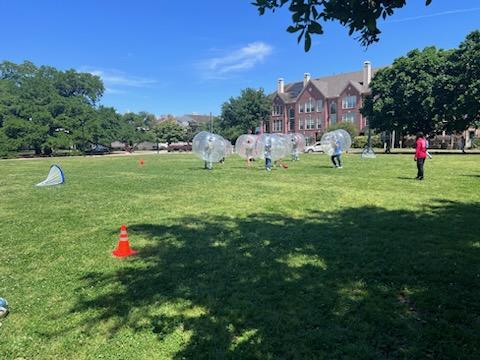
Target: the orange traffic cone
pixel 123 247
pixel 142 162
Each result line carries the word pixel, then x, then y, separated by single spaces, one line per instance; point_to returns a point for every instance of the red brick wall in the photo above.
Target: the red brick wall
pixel 351 91
pixel 312 92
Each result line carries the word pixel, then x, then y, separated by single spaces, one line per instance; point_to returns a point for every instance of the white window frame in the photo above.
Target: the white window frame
pixel 319 105
pixel 309 106
pixel 349 119
pixel 277 110
pixel 319 122
pixel 277 125
pixel 309 122
pixel 349 102
pixel 291 128
pixel 301 124
pixel 301 107
pixel 334 121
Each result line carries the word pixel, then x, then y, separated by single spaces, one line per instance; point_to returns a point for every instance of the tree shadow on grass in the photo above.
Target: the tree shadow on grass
pixel 473 175
pixel 359 283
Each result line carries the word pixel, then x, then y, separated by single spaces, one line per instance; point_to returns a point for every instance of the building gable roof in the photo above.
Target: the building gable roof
pixel 329 86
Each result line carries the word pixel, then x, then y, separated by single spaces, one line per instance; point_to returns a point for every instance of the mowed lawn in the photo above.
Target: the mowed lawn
pixel 308 262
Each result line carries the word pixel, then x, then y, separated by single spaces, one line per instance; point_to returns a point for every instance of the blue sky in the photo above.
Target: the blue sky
pixel 163 57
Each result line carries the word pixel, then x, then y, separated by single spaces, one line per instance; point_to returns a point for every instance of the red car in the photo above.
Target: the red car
pixel 179 147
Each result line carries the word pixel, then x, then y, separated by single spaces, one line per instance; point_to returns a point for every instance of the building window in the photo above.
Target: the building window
pixel 319 105
pixel 277 110
pixel 333 107
pixel 333 112
pixel 349 102
pixel 319 122
pixel 301 107
pixel 291 119
pixel 277 125
pixel 348 117
pixel 309 122
pixel 266 127
pixel 301 124
pixel 309 106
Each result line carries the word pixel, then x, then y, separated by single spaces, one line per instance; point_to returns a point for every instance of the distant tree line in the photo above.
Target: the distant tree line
pixel 430 90
pixel 44 109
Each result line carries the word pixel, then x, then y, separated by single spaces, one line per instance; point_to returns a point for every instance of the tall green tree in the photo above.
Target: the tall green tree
pixel 359 16
pixel 458 90
pixel 44 109
pixel 169 131
pixel 244 113
pixel 403 95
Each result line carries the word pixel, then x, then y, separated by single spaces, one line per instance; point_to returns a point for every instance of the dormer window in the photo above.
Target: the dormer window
pixel 277 110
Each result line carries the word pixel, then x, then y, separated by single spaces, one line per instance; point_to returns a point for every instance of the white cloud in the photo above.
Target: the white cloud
pixel 116 81
pixel 235 61
pixel 443 13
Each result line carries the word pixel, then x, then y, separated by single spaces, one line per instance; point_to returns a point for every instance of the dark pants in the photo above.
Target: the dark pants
pixel 268 163
pixel 335 159
pixel 420 164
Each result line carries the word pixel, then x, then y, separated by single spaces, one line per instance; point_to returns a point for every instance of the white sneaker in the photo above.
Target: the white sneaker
pixel 340 167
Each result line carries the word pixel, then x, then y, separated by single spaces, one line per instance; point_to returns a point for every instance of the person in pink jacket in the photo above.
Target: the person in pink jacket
pixel 420 154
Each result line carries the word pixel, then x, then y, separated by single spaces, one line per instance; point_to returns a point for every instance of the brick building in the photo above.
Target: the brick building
pixel 311 105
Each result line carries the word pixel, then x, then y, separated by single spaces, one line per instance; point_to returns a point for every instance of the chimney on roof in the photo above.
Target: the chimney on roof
pixel 367 73
pixel 280 86
pixel 306 79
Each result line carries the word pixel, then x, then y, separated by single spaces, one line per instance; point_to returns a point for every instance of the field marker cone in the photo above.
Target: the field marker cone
pixel 142 162
pixel 123 247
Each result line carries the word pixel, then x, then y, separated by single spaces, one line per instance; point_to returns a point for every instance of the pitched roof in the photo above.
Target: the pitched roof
pixel 193 118
pixel 329 86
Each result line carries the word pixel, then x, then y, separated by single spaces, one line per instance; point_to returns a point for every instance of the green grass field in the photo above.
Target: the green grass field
pixel 306 263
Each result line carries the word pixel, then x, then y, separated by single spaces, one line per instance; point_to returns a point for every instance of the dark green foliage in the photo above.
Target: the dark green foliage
pixel 428 90
pixel 347 126
pixel 136 128
pixel 458 90
pixel 244 113
pixel 402 95
pixel 361 16
pixel 44 109
pixel 360 142
pixel 169 131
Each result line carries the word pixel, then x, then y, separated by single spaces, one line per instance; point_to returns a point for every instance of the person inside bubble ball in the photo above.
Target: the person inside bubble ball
pixel 294 150
pixel 268 155
pixel 208 152
pixel 249 152
pixel 337 154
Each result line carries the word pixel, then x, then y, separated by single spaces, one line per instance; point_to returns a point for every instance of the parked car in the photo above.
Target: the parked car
pixel 161 146
pixel 98 149
pixel 317 147
pixel 179 147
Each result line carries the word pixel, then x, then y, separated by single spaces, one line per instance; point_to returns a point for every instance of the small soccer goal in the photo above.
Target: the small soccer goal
pixel 55 177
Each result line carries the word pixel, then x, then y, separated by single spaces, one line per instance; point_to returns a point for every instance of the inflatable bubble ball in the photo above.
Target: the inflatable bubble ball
pixel 245 146
pixel 297 142
pixel 272 145
pixel 229 149
pixel 209 147
pixel 3 307
pixel 337 140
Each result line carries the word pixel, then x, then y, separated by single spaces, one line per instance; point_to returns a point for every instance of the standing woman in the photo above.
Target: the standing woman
pixel 420 154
